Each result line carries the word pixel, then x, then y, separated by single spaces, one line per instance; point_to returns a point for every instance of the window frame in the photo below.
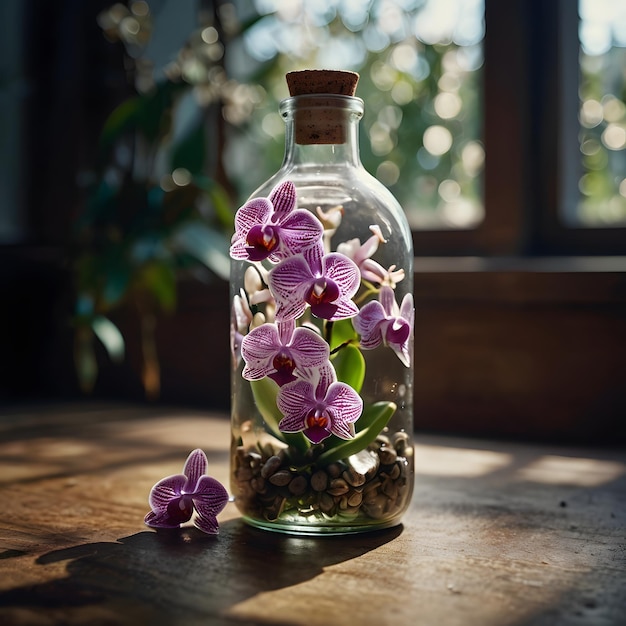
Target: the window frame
pixel 530 124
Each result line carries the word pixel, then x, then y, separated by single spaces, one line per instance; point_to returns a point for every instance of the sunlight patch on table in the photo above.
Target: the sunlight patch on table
pixel 465 462
pixel 564 470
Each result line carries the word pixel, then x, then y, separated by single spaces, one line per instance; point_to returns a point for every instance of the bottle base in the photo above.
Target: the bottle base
pixel 319 529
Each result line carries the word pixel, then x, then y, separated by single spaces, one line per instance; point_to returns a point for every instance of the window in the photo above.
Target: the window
pixel 421 68
pixel 601 197
pixel 519 330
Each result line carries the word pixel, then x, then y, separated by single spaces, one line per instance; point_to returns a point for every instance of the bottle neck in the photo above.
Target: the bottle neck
pixel 322 130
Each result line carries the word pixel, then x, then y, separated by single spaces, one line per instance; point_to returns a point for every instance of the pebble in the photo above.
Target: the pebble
pixel 387 455
pixel 271 466
pixel 372 482
pixel 338 486
pixel 354 478
pixel 281 478
pixel 319 480
pixel 298 485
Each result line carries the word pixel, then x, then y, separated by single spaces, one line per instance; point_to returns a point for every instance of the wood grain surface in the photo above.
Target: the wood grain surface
pixel 497 534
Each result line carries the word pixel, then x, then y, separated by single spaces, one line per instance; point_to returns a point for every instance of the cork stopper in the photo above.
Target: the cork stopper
pixel 338 82
pixel 319 120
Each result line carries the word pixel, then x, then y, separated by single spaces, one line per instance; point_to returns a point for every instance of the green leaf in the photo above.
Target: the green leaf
pixel 160 280
pixel 350 366
pixel 85 359
pixel 265 392
pixel 342 332
pixel 222 207
pixel 374 418
pixel 190 151
pixel 117 279
pixel 148 113
pixel 110 336
pixel 155 117
pixel 220 201
pixel 120 120
pixel 205 245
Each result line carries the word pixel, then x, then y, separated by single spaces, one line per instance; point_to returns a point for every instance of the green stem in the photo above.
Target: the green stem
pixel 345 344
pixel 370 290
pixel 328 332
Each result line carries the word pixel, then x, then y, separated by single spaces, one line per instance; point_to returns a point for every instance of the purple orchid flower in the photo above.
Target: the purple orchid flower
pixel 325 283
pixel 371 270
pixel 277 350
pixel 272 228
pixel 174 499
pixel 383 322
pixel 320 408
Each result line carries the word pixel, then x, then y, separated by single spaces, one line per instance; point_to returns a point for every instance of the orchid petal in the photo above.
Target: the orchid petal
pixel 326 377
pixel 299 231
pixel 367 249
pixel 195 466
pixel 252 213
pixel 283 198
pixel 241 309
pixel 402 352
pixel 388 300
pixel 264 295
pixel 289 282
pixel 373 271
pixel 308 348
pixel 316 434
pixel 349 248
pixel 407 310
pixel 295 401
pixel 345 406
pixel 260 343
pixel 367 324
pixel 205 522
pixel 335 311
pixel 292 423
pixel 291 309
pixel 166 490
pixel 344 272
pixel 258 372
pixel 209 501
pixel 159 520
pixel 211 494
pixel 239 250
pixel 313 257
pixel 286 330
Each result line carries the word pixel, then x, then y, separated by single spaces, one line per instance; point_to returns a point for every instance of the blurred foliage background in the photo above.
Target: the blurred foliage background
pixel 201 130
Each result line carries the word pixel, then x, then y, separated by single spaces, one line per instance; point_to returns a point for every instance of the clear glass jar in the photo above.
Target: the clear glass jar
pixel 322 379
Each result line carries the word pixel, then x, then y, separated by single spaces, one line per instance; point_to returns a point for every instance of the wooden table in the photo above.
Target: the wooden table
pixel 497 534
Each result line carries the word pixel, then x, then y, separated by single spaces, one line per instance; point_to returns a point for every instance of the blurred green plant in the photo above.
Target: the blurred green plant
pixel 156 208
pixel 420 63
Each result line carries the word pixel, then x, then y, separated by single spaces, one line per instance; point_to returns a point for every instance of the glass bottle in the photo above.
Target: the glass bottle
pixel 322 330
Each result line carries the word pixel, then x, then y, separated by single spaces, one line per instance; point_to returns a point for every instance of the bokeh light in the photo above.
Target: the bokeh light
pixel 420 64
pixel 602 114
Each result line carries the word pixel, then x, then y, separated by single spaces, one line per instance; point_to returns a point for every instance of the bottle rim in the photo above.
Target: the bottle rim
pixel 351 104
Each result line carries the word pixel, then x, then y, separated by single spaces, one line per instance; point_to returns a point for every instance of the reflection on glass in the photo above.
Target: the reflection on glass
pixel 420 64
pixel 602 114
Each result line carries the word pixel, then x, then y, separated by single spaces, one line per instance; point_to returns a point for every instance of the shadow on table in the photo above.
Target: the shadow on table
pixel 184 574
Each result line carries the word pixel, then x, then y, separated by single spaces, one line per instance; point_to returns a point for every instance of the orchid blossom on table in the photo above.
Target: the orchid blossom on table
pixel 306 390
pixel 175 499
